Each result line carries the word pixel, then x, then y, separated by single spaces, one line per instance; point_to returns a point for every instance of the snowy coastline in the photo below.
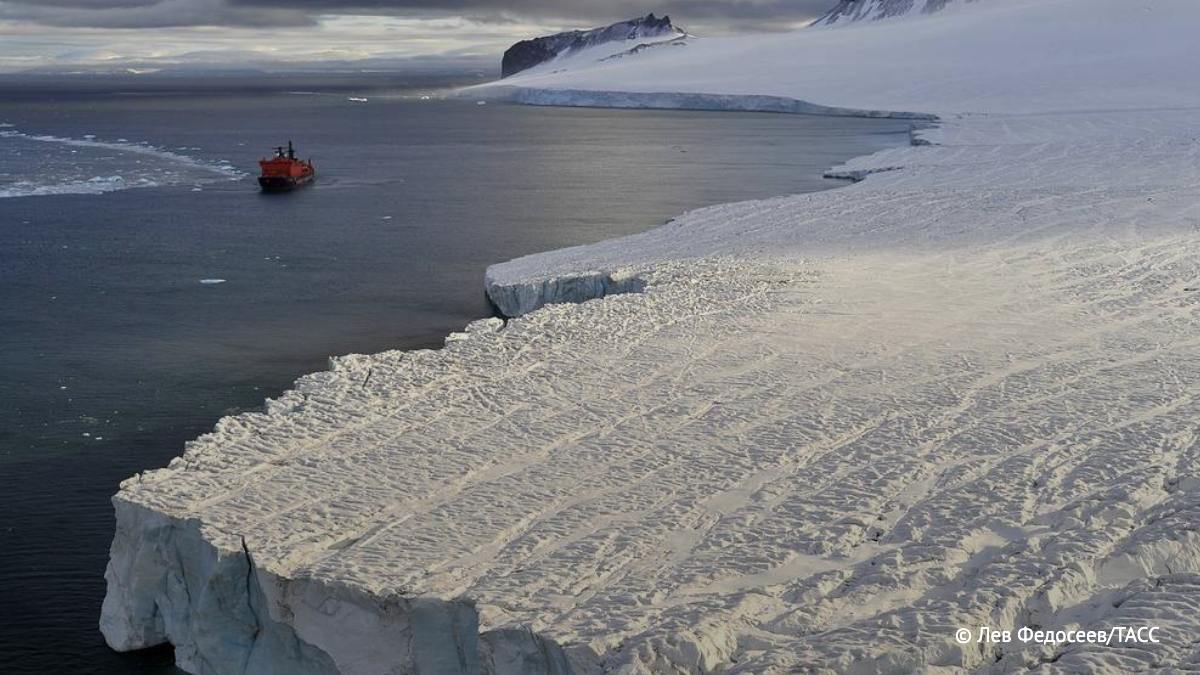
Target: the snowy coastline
pixel 582 98
pixel 817 432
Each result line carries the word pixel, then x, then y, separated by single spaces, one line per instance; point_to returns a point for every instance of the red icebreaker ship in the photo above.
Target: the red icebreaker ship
pixel 284 172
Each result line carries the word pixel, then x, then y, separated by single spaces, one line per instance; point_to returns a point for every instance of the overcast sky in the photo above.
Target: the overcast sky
pixel 62 34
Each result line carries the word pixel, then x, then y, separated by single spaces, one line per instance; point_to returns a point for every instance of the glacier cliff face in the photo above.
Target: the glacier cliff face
pixel 584 98
pixel 516 295
pixel 173 580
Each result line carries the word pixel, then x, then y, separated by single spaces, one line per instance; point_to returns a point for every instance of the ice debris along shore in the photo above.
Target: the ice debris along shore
pixel 816 433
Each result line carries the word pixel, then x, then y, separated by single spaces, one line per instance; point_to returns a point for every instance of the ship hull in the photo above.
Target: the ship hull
pixel 282 183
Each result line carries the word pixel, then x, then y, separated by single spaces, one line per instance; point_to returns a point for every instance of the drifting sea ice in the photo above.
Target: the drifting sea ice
pixel 37 165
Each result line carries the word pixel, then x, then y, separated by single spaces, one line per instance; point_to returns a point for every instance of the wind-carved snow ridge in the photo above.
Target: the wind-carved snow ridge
pixel 236 596
pixel 830 430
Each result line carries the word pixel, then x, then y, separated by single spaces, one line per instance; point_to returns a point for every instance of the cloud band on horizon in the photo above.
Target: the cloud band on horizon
pixel 760 14
pixel 43 33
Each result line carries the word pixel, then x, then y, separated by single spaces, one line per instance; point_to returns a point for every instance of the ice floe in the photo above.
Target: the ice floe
pixel 35 166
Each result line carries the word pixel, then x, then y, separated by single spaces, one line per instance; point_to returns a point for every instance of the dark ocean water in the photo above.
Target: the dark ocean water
pixel 113 352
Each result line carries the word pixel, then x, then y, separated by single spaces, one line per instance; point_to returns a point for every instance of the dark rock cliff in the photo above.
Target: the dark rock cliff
pixel 529 53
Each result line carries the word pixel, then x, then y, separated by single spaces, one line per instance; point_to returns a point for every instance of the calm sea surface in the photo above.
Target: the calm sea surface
pixel 147 288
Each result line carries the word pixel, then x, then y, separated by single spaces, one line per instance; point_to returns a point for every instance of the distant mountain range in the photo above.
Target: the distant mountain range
pixel 529 53
pixel 534 52
pixel 849 11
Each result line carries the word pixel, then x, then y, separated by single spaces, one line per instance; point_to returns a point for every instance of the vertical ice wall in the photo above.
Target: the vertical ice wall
pixel 175 581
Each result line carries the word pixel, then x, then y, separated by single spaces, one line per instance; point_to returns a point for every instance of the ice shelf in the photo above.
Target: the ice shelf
pixel 811 433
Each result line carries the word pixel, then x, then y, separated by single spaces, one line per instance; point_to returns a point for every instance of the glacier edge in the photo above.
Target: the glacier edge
pixel 682 100
pixel 174 580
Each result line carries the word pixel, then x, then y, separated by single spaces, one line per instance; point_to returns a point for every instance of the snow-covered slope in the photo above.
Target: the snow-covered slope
pixel 818 433
pixel 987 56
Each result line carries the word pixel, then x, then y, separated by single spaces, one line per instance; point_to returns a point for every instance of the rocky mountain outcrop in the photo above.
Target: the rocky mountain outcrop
pixel 529 53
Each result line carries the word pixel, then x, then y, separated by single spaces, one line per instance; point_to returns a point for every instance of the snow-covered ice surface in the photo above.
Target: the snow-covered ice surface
pixel 811 433
pixel 1011 56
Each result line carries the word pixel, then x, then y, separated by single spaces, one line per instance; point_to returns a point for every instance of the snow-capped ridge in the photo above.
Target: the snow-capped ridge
pixel 850 11
pixel 528 54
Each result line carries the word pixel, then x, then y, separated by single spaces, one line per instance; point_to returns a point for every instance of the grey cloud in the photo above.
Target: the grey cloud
pixel 682 10
pixel 148 13
pixel 85 4
pixel 708 14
